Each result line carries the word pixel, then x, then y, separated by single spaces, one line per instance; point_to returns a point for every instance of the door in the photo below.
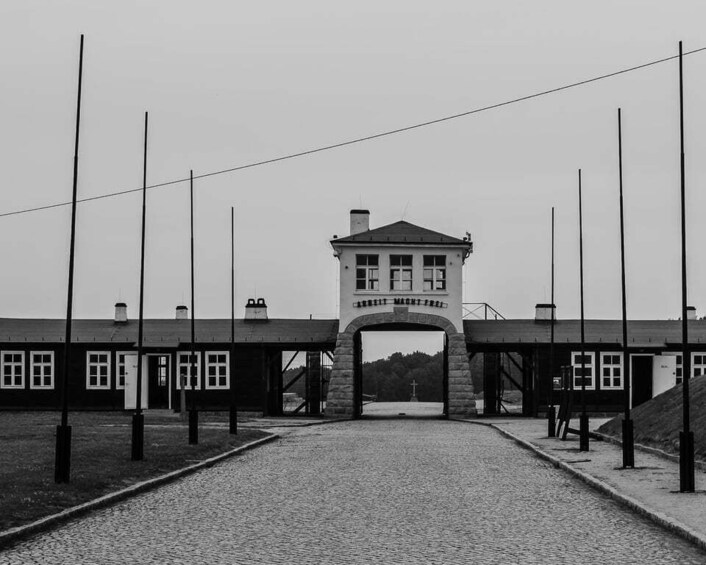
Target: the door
pixel 158 378
pixel 641 372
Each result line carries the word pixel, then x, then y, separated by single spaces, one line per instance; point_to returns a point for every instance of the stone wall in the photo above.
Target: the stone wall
pixel 340 399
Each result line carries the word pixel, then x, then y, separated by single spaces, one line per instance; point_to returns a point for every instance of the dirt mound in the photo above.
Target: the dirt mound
pixel 658 422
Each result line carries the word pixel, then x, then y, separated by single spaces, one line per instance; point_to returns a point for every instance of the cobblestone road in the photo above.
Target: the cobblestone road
pixel 387 491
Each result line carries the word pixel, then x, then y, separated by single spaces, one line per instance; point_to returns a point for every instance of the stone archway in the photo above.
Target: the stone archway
pixel 340 400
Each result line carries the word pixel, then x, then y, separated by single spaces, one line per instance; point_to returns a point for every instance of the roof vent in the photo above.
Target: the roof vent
pixel 256 310
pixel 182 313
pixel 543 312
pixel 120 313
pixel 360 221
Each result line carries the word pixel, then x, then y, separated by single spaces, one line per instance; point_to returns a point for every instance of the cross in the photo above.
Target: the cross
pixel 414 388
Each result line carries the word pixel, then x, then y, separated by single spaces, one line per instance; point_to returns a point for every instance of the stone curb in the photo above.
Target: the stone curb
pixel 13 535
pixel 657 517
pixel 701 465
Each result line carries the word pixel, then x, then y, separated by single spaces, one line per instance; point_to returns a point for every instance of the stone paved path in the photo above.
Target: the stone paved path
pixel 386 491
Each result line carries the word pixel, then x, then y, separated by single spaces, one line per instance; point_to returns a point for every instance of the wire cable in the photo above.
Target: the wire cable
pixel 359 139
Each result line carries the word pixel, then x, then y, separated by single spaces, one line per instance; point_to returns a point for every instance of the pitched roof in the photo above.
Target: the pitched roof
pixel 170 333
pixel 401 232
pixel 641 333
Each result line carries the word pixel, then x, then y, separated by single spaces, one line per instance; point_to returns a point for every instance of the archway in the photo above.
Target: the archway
pixel 345 393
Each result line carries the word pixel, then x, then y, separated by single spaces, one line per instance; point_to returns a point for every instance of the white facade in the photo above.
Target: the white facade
pixel 423 277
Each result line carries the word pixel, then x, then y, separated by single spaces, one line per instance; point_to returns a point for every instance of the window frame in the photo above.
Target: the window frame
pixel 362 263
pixel 20 364
pixel 591 366
pixel 52 370
pixel 187 355
pixel 612 366
pixel 701 366
pixel 402 269
pixel 89 364
pixel 209 365
pixel 434 268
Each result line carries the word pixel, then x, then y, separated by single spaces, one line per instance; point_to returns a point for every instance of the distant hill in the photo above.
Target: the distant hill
pixel 658 421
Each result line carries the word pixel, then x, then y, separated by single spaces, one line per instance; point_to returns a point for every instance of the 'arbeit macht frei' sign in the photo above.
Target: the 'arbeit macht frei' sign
pixel 400 302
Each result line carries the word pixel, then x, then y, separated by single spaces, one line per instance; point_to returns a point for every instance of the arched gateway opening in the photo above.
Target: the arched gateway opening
pixel 403 373
pixel 345 392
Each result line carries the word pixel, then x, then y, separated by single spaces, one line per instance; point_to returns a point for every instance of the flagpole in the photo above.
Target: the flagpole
pixel 138 418
pixel 193 413
pixel 583 428
pixel 62 463
pixel 686 436
pixel 234 396
pixel 628 434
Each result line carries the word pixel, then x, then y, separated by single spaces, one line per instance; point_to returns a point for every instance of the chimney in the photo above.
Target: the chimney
pixel 543 312
pixel 256 310
pixel 360 221
pixel 182 313
pixel 120 313
pixel 690 313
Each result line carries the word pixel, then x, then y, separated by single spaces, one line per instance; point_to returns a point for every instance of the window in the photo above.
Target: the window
pixel 435 272
pixel 217 369
pixel 97 370
pixel 121 368
pixel 576 368
pixel 698 364
pixel 183 368
pixel 42 369
pixel 13 365
pixel 400 272
pixel 679 369
pixel 366 272
pixel 611 370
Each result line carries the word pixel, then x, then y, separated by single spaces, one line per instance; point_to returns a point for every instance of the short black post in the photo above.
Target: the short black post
pixel 551 421
pixel 628 444
pixel 138 434
pixel 193 427
pixel 583 429
pixel 62 464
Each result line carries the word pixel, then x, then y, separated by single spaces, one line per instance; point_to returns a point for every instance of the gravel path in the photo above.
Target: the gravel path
pixel 385 491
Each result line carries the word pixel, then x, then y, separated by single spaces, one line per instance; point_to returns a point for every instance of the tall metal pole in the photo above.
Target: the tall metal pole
pixel 686 437
pixel 234 396
pixel 551 410
pixel 583 428
pixel 193 413
pixel 138 418
pixel 62 462
pixel 628 435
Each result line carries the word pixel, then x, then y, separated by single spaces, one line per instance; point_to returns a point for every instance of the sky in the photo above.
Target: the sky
pixel 230 83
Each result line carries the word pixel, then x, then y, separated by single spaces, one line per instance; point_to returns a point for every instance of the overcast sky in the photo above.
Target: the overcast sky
pixel 230 83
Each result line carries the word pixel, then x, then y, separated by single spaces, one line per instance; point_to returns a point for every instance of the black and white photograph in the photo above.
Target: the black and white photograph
pixel 353 282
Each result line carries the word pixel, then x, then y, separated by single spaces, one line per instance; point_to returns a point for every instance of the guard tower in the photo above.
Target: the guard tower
pixel 399 276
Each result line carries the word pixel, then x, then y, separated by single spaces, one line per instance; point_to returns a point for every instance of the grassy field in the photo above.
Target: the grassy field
pixel 657 423
pixel 100 461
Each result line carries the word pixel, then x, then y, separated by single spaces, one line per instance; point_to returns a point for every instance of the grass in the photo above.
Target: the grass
pixel 657 423
pixel 100 459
